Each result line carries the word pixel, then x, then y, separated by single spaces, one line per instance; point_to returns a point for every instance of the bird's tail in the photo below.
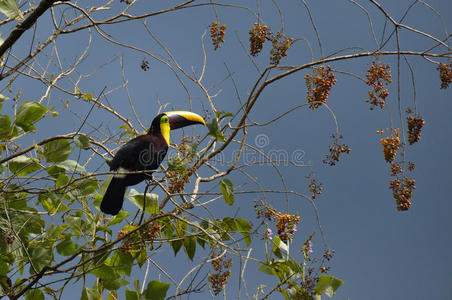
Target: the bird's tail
pixel 114 196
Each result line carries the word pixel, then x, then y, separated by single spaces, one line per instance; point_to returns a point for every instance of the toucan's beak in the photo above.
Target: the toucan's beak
pixel 178 119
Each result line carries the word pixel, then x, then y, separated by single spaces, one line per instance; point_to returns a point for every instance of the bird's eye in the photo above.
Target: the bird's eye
pixel 164 119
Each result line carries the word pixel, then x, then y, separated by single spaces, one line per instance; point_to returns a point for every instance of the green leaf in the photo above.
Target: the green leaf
pixel 244 229
pixel 190 246
pixel 152 201
pixel 66 247
pixel 51 203
pixel 278 244
pixel 91 294
pixel 222 114
pixel 327 284
pixel 23 165
pixel 156 290
pixel 122 262
pixel 275 247
pixel 3 98
pixel 176 245
pixel 214 130
pixel 71 166
pixel 62 180
pixel 4 267
pixel 229 224
pixel 87 186
pixel 105 272
pixel 82 141
pixel 118 218
pixel 29 113
pixel 57 150
pixel 34 295
pixel 266 269
pixel 10 9
pixel 227 189
pixel 40 257
pixel 113 285
pixel 5 127
pixel 132 295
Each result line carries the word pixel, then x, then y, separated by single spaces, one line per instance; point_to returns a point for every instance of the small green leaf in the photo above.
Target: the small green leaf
pixel 66 247
pixel 82 141
pixel 222 114
pixel 34 295
pixel 23 165
pixel 62 180
pixel 229 224
pixel 142 257
pixel 156 290
pixel 245 229
pixel 176 245
pixel 266 269
pixel 5 127
pixel 214 130
pixel 105 272
pixel 40 257
pixel 91 294
pixel 132 295
pixel 278 244
pixel 118 218
pixel 327 284
pixel 3 98
pixel 71 166
pixel 57 150
pixel 29 113
pixel 87 186
pixel 227 189
pixel 152 201
pixel 122 262
pixel 10 9
pixel 190 246
pixel 113 285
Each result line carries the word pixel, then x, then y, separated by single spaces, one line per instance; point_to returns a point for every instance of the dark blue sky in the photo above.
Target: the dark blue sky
pixel 381 253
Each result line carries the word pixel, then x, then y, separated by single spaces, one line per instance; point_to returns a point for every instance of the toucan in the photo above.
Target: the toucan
pixel 143 153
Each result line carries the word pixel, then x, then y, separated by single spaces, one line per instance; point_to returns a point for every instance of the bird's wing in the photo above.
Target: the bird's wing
pixel 129 154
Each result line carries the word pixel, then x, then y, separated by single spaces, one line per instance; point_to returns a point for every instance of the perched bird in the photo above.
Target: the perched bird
pixel 143 153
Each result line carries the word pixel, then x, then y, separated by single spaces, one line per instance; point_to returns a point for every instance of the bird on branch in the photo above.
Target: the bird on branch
pixel 141 154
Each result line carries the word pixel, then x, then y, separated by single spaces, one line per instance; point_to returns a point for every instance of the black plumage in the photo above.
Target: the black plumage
pixel 143 153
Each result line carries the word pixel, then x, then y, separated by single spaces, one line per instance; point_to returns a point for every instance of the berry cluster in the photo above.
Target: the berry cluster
pixel 445 74
pixel 144 65
pixel 137 239
pixel 264 210
pixel 177 181
pixel 258 34
pixel 315 187
pixel 7 237
pixel 286 225
pixel 390 145
pixel 220 278
pixel 395 169
pixel 217 33
pixel 336 149
pixel 280 45
pixel 415 124
pixel 311 278
pixel 126 246
pixel 318 86
pixel 402 191
pixel 151 232
pixel 377 77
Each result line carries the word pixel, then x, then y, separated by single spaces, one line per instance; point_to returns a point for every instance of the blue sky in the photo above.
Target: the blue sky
pixel 381 253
